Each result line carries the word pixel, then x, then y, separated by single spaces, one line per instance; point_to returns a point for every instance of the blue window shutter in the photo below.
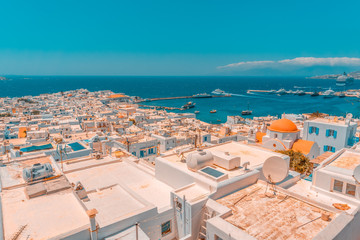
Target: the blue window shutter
pixel 325 148
pixel 310 130
pixel 327 132
pixel 317 131
pixel 335 134
pixel 333 149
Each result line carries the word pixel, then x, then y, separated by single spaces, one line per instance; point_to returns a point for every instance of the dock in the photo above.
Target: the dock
pixel 172 98
pixel 184 97
pixel 306 93
pixel 160 107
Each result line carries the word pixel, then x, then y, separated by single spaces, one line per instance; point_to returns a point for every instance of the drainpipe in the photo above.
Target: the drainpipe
pixel 184 215
pixel 137 231
pixel 93 227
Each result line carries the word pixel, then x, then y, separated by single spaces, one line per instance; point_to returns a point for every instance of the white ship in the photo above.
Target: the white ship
pixel 218 91
pixel 344 80
pixel 328 93
pixel 201 95
pixel 281 91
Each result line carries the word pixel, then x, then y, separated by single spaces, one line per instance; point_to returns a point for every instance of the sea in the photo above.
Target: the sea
pixel 156 87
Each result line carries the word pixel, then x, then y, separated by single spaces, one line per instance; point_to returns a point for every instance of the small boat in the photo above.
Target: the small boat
pixel 291 92
pixel 329 93
pixel 342 95
pixel 281 91
pixel 202 95
pixel 300 93
pixel 188 105
pixel 314 94
pixel 218 91
pixel 218 120
pixel 246 112
pixel 196 112
pixel 213 111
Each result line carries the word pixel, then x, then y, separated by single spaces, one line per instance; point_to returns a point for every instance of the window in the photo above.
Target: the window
pixel 166 228
pixel 275 135
pixel 331 133
pixel 344 188
pixel 314 130
pixel 350 189
pixel 217 237
pixel 329 148
pixel 338 186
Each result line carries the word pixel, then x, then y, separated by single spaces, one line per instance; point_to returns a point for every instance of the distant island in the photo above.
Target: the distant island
pixel 355 75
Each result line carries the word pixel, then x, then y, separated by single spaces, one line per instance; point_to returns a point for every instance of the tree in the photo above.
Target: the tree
pixel 298 162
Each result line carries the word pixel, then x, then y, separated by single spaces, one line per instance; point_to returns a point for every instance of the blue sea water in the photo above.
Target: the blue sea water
pixel 152 87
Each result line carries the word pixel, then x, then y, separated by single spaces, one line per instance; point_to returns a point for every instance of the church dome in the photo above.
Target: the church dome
pixel 283 125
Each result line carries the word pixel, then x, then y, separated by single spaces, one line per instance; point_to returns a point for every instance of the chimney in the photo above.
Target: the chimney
pixel 93 226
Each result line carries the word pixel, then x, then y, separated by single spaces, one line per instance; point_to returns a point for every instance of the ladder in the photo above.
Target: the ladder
pixel 18 233
pixel 202 232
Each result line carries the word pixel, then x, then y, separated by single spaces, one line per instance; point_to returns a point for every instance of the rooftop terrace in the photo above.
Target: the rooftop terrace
pixel 347 160
pixel 274 217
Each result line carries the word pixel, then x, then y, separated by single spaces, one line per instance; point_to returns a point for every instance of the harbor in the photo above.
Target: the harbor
pixel 183 97
pixel 326 93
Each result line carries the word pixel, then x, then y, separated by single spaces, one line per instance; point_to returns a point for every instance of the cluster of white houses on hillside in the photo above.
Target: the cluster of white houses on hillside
pixel 93 165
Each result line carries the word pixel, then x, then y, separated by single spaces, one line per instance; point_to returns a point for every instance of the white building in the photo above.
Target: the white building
pixel 330 135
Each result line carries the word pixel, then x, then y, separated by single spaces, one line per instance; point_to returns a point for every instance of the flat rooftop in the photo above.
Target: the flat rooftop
pixel 303 188
pixel 275 217
pixel 112 204
pixel 331 121
pixel 11 173
pixel 255 155
pixel 97 174
pixel 45 217
pixel 347 160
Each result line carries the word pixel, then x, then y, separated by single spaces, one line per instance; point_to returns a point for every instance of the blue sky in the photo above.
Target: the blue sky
pixel 176 37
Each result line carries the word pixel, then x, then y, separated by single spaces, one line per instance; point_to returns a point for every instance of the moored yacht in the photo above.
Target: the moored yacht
pixel 218 91
pixel 314 94
pixel 188 105
pixel 328 93
pixel 342 95
pixel 281 91
pixel 299 93
pixel 201 95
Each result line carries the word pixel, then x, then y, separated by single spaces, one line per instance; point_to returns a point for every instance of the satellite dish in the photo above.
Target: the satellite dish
pixel 356 174
pixel 275 169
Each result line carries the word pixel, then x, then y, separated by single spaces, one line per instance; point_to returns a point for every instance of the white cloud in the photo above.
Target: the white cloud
pixel 300 61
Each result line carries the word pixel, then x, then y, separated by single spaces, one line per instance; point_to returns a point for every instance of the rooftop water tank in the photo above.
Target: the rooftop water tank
pixel 226 160
pixel 199 159
pixel 37 171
